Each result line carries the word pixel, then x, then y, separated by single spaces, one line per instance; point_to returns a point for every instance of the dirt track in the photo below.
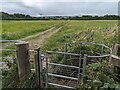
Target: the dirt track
pixel 40 40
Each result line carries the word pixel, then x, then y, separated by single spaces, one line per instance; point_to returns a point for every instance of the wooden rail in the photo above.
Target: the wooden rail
pixel 115 58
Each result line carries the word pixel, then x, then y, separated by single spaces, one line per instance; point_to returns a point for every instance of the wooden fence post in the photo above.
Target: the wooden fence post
pixel 36 54
pixel 22 49
pixel 115 58
pixel 114 49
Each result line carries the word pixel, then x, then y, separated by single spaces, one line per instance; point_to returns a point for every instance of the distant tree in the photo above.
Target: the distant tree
pixel 18 16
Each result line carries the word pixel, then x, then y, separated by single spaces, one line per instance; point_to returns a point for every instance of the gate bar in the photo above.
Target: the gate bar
pixel 46 70
pixel 99 56
pixel 84 64
pixel 64 53
pixel 12 41
pixel 40 69
pixel 63 65
pixel 61 76
pixel 60 85
pixel 10 50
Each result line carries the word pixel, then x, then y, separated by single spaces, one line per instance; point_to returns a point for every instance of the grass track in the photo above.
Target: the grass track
pixel 12 30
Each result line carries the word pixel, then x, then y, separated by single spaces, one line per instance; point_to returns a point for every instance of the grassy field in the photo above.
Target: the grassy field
pixel 12 30
pixel 99 31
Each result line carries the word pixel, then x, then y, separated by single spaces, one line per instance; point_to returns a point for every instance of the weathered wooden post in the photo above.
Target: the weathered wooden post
pixel 36 56
pixel 115 49
pixel 38 67
pixel 115 58
pixel 36 52
pixel 22 49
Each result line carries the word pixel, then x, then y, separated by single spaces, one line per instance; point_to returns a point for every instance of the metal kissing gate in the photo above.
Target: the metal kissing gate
pixel 64 73
pixel 67 69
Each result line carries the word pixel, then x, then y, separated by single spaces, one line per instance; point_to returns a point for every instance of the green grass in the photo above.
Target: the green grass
pixel 9 76
pixel 12 30
pixel 99 31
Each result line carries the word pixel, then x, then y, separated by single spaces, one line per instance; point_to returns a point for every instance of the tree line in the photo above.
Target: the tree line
pixel 18 16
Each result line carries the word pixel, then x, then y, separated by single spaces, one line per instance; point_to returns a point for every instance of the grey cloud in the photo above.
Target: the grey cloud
pixel 72 8
pixel 62 8
pixel 18 7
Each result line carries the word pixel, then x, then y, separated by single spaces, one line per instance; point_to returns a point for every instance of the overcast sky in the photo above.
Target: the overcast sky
pixel 60 7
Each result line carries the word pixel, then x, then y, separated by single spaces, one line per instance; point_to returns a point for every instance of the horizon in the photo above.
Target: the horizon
pixel 61 15
pixel 46 8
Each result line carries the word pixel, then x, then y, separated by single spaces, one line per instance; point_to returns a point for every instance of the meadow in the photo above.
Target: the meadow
pixel 99 31
pixel 12 30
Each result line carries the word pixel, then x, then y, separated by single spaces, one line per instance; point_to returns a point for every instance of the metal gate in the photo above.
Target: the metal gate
pixel 67 69
pixel 64 70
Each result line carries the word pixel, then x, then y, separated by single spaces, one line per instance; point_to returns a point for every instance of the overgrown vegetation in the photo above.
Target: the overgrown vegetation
pixel 10 77
pixel 29 82
pixel 100 76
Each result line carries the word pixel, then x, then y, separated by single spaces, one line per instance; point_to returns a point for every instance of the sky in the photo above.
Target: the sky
pixel 60 7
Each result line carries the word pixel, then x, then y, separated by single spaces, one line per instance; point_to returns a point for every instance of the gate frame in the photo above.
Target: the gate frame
pixel 62 76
